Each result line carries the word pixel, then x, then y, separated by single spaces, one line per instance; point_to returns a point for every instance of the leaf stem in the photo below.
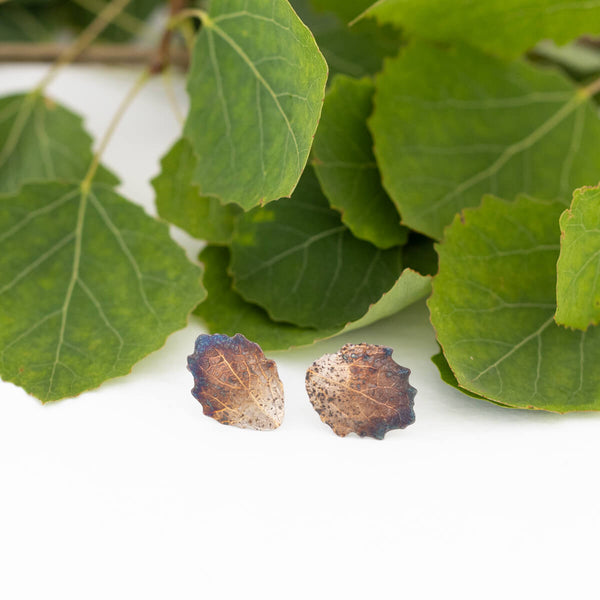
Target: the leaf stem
pixel 126 102
pixel 89 34
pixel 591 89
pixel 188 13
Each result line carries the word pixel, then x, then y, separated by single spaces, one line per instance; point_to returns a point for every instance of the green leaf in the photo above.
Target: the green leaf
pixel 504 27
pixel 346 167
pixel 453 124
pixel 356 51
pixel 41 140
pixel 493 306
pixel 578 267
pixel 345 9
pixel 89 284
pixel 256 88
pixel 448 376
pixel 225 311
pixel 299 262
pixel 178 200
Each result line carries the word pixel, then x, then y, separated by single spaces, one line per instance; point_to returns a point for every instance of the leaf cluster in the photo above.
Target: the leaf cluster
pixel 320 161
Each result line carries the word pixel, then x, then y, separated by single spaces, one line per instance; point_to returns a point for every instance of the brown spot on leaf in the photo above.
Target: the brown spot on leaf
pixel 361 390
pixel 235 383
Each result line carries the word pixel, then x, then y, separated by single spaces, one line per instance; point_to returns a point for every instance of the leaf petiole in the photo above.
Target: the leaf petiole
pixel 133 92
pixel 89 34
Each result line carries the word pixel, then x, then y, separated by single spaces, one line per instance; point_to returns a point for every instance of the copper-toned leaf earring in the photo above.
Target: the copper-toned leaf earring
pixel 361 390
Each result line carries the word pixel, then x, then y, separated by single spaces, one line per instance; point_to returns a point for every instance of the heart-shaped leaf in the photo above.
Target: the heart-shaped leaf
pixel 452 124
pixel 493 307
pixel 225 311
pixel 297 260
pixel 89 285
pixel 256 86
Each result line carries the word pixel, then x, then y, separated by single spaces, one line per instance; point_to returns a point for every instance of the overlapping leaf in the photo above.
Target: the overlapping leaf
pixel 578 267
pixel 42 140
pixel 505 27
pixel 256 88
pixel 356 51
pixel 89 284
pixel 493 306
pixel 225 311
pixel 178 200
pixel 297 260
pixel 451 124
pixel 346 167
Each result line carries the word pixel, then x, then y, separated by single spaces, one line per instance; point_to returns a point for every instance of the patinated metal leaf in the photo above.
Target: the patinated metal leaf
pixel 235 383
pixel 361 390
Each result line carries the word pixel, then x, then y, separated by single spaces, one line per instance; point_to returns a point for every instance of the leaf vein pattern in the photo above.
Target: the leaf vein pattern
pixel 78 235
pixel 517 347
pixel 126 251
pixel 215 65
pixel 103 316
pixel 278 257
pixel 246 59
pixel 508 153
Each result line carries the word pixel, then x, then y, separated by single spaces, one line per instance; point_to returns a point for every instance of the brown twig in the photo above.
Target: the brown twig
pixel 163 57
pixel 100 53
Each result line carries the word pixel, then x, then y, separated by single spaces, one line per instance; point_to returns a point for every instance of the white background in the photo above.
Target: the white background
pixel 131 492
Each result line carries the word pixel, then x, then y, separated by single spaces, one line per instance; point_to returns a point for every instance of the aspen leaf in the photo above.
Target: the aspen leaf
pixel 493 306
pixel 453 124
pixel 89 285
pixel 256 86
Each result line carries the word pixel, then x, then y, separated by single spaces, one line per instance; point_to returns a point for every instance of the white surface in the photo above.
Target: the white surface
pixel 130 492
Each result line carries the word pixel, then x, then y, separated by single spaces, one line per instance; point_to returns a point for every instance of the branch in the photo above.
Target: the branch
pixel 101 53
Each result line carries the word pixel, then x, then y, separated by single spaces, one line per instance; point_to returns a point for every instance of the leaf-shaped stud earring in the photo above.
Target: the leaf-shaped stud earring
pixel 361 390
pixel 235 383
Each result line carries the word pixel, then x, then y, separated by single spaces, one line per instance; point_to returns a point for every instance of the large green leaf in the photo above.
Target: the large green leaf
pixel 297 260
pixel 256 88
pixel 42 140
pixel 453 124
pixel 505 27
pixel 89 284
pixel 493 306
pixel 225 311
pixel 356 51
pixel 178 200
pixel 578 267
pixel 346 167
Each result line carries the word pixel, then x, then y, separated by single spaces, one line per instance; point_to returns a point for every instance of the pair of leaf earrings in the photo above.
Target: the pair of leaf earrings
pixel 358 390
